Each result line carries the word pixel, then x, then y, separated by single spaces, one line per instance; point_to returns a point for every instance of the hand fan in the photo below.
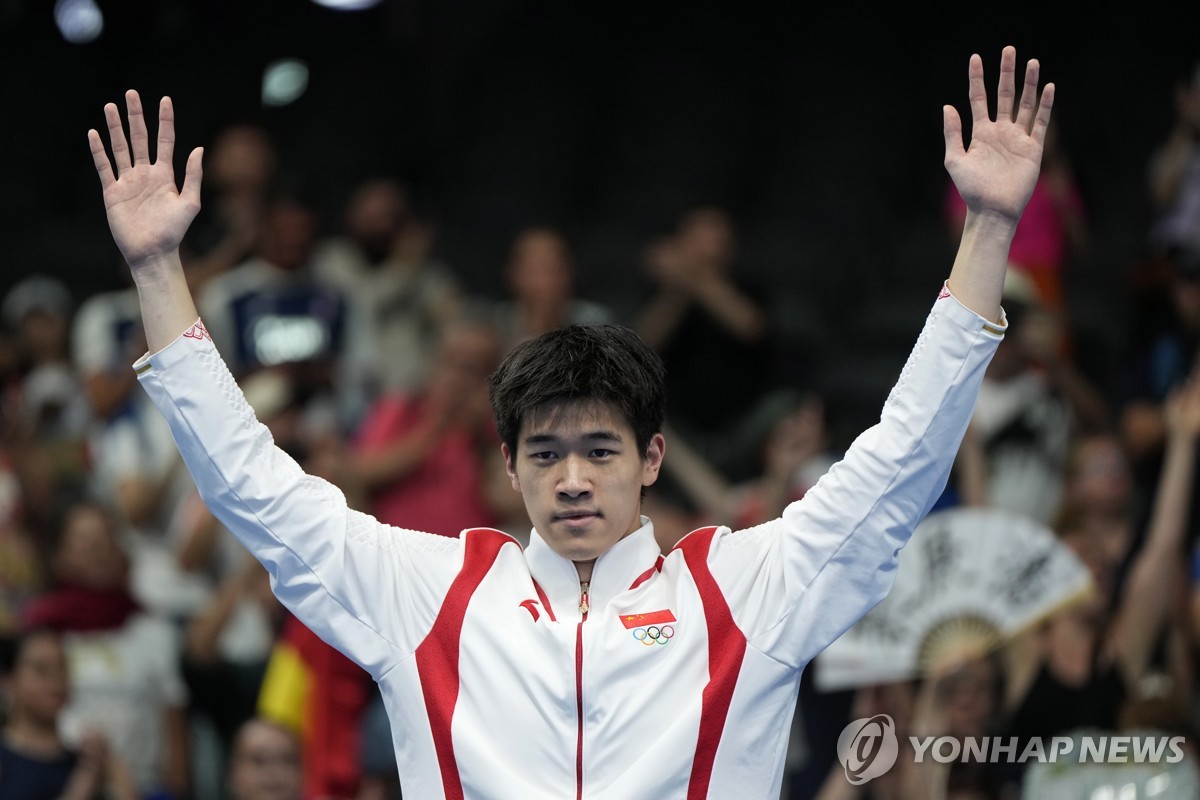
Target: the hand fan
pixel 969 579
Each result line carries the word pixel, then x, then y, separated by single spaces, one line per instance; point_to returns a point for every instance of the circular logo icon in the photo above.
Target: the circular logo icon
pixel 868 748
pixel 655 634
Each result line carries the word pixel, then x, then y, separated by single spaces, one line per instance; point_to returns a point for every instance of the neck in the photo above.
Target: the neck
pixel 30 735
pixel 584 568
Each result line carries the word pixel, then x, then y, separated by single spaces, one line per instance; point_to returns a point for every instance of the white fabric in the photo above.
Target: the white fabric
pixel 122 683
pixel 790 588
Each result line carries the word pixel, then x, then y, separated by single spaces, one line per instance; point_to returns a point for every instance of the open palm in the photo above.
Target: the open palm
pixel 999 170
pixel 147 213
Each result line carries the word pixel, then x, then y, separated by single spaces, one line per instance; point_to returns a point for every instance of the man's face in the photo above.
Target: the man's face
pixel 579 471
pixel 265 764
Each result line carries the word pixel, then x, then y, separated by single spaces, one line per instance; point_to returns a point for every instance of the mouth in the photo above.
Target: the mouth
pixel 576 519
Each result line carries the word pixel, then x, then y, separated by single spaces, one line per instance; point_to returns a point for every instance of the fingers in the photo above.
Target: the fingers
pixel 1042 121
pixel 191 178
pixel 1029 95
pixel 952 131
pixel 976 91
pixel 116 137
pixel 1005 90
pixel 138 138
pixel 165 151
pixel 100 159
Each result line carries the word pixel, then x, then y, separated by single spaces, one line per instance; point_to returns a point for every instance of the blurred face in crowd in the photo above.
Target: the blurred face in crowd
pixel 1099 477
pixel 466 357
pixel 706 237
pixel 264 763
pixel 240 159
pixel 37 689
pixel 374 217
pixel 89 554
pixel 287 235
pixel 968 697
pixel 540 269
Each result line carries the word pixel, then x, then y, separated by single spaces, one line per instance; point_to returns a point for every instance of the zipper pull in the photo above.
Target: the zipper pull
pixel 583 597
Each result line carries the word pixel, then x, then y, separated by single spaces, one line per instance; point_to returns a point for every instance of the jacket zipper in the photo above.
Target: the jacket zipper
pixel 583 612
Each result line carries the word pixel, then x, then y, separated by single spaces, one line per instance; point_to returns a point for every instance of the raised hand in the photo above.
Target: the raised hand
pixel 147 213
pixel 999 170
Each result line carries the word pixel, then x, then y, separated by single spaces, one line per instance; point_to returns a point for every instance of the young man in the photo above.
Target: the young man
pixel 587 665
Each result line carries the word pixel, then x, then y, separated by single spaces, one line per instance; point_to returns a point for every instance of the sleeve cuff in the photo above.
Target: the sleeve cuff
pixel 949 306
pixel 176 350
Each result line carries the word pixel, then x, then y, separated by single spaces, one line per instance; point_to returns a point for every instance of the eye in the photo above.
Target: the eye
pixel 542 455
pixel 600 452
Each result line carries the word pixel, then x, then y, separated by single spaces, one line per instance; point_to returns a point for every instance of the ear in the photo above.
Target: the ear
pixel 652 463
pixel 510 467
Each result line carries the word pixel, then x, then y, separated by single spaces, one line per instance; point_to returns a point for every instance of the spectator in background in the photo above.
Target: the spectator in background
pixel 133 454
pixel 1023 423
pixel 274 311
pixel 227 646
pixel 422 457
pixel 21 571
pixel 382 259
pixel 265 763
pixel 1089 662
pixel 707 320
pixel 240 166
pixel 125 678
pixel 35 762
pixel 1174 172
pixel 46 407
pixel 540 275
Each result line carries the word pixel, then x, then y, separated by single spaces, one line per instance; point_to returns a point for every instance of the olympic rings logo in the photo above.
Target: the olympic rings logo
pixel 654 634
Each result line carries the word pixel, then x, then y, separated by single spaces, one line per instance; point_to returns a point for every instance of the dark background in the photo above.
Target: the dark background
pixel 818 127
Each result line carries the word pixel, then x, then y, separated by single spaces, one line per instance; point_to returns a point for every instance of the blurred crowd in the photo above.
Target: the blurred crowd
pixel 144 655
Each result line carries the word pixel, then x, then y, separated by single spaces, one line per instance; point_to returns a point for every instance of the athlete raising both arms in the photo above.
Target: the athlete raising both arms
pixel 588 665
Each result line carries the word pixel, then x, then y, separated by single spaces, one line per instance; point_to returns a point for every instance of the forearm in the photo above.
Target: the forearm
pixel 1146 600
pixel 735 311
pixel 395 461
pixel 176 773
pixel 659 320
pixel 1167 171
pixel 166 301
pixel 977 277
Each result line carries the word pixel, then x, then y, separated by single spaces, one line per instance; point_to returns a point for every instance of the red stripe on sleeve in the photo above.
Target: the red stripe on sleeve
pixel 437 655
pixel 726 651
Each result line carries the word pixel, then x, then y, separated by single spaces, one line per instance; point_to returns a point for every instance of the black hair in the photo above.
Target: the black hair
pixel 13 644
pixel 605 363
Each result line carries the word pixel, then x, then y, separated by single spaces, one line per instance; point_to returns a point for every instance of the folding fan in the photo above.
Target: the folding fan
pixel 968 580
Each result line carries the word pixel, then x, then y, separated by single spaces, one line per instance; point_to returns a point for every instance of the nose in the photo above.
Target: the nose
pixel 574 481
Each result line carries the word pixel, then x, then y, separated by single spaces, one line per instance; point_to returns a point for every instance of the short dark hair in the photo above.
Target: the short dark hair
pixel 605 363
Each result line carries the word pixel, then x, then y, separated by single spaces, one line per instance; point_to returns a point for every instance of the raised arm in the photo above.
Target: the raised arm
pixel 995 176
pixel 148 214
pixel 351 580
pixel 1149 595
pixel 797 583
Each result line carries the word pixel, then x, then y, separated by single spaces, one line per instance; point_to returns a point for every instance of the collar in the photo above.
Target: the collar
pixel 613 573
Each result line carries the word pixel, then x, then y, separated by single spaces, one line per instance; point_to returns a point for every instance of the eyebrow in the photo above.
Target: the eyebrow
pixel 593 436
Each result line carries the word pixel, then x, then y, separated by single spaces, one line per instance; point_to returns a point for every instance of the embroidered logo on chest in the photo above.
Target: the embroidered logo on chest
pixel 651 628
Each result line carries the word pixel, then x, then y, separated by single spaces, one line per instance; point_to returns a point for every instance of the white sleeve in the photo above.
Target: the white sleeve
pixel 370 590
pixel 796 583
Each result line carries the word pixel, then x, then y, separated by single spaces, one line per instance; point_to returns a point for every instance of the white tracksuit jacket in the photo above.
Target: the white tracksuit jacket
pixel 681 679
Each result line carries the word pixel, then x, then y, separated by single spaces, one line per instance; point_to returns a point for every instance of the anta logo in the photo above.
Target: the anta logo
pixel 651 628
pixel 530 605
